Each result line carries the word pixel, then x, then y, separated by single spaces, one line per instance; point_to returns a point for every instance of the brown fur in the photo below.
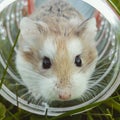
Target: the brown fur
pixel 62 65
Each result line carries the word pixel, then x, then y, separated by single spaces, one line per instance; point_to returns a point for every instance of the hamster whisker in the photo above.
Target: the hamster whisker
pixel 95 78
pixel 36 74
pixel 39 101
pixel 102 66
pixel 98 73
pixel 91 82
pixel 21 91
pixel 82 98
pixel 99 84
pixel 87 96
pixel 100 69
pixel 91 92
pixel 31 99
pixel 103 59
pixel 25 94
pixel 86 66
pixel 102 85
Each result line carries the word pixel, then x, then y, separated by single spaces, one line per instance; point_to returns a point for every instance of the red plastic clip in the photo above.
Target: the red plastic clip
pixel 30 6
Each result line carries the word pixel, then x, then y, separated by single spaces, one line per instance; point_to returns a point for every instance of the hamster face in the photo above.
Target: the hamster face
pixel 56 65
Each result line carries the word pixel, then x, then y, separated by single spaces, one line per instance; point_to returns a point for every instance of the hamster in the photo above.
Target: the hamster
pixel 56 53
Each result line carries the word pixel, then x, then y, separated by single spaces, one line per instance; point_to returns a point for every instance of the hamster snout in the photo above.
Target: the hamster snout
pixel 65 95
pixel 64 92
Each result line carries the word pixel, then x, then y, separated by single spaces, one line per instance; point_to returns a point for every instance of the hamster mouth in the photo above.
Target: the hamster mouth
pixel 64 96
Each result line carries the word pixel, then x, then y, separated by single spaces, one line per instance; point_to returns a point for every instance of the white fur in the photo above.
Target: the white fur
pixel 49 48
pixel 74 47
pixel 79 84
pixel 92 30
pixel 75 21
pixel 92 25
pixel 29 30
pixel 80 81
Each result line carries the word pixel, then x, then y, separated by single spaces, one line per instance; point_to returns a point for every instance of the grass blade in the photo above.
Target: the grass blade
pixel 116 5
pixel 8 61
pixel 115 105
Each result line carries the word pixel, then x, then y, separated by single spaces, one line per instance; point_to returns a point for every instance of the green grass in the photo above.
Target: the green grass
pixel 115 4
pixel 104 110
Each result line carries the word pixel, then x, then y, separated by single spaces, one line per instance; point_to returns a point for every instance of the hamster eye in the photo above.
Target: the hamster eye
pixel 78 61
pixel 46 63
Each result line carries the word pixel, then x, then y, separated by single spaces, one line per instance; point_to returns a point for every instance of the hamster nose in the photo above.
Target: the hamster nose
pixel 64 96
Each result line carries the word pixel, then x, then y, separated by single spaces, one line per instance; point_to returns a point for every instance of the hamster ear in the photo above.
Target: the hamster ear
pixel 31 32
pixel 88 30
